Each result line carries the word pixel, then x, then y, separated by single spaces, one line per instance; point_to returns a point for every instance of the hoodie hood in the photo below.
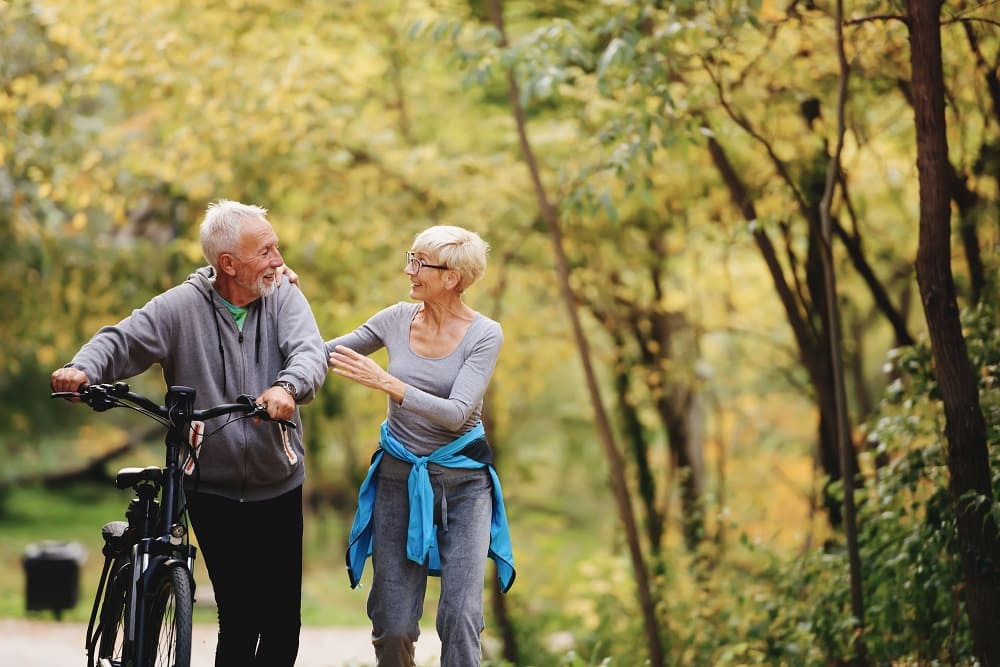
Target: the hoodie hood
pixel 203 280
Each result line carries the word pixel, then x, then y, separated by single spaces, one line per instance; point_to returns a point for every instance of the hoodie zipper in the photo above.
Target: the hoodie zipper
pixel 242 383
pixel 254 307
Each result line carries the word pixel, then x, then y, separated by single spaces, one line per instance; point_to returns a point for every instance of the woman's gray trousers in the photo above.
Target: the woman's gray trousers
pixel 463 506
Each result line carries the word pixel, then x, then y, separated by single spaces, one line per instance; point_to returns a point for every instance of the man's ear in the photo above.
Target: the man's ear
pixel 227 264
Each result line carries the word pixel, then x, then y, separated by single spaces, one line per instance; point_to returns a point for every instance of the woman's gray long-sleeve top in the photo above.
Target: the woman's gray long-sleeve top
pixel 444 396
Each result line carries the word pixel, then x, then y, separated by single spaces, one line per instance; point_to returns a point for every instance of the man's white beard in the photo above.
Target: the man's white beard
pixel 260 287
pixel 265 288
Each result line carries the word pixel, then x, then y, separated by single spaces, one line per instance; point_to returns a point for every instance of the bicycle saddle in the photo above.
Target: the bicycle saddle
pixel 131 476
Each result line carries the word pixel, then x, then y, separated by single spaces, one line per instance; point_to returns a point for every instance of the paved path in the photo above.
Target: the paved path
pixel 31 643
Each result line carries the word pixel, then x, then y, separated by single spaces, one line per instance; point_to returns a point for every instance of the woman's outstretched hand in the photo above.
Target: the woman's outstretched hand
pixel 359 368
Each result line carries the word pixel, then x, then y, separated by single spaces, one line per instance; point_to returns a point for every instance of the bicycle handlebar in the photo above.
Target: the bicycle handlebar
pixel 103 397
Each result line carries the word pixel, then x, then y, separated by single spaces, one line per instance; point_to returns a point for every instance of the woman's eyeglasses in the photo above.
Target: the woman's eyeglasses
pixel 414 263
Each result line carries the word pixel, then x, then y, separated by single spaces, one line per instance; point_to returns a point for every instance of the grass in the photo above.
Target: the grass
pixel 76 513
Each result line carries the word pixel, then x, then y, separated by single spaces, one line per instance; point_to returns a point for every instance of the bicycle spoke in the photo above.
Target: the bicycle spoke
pixel 165 652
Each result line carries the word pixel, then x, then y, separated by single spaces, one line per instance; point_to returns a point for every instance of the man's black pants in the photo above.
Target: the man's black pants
pixel 253 553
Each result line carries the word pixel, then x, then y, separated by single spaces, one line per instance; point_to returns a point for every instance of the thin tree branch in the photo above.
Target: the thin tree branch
pixel 877 17
pixel 971 19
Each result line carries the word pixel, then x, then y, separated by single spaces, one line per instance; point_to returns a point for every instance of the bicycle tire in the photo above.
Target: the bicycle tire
pixel 169 623
pixel 111 631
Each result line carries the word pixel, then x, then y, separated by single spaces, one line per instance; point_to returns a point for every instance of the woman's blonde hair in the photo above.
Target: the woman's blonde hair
pixel 457 248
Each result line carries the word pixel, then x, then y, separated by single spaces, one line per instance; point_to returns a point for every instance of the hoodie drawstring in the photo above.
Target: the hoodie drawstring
pixel 260 316
pixel 218 334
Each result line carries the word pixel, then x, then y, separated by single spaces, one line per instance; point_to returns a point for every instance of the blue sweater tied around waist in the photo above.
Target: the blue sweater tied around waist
pixel 421 538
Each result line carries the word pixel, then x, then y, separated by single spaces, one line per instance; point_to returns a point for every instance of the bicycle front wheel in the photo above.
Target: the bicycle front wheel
pixel 169 623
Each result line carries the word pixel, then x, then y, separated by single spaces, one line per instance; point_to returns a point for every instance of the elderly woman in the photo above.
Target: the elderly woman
pixel 431 503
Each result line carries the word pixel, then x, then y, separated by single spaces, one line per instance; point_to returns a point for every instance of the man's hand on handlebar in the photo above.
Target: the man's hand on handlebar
pixel 68 379
pixel 278 403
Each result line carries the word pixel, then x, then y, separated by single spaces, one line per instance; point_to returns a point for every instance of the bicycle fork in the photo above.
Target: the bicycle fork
pixel 148 557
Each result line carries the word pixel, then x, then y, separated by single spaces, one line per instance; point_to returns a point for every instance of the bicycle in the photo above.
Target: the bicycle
pixel 147 583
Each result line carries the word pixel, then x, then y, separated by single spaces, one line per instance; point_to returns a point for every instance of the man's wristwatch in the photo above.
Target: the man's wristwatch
pixel 287 386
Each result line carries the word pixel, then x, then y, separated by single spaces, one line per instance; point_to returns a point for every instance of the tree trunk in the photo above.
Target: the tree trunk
pixel 616 466
pixel 636 435
pixel 674 403
pixel 679 438
pixel 505 626
pixel 844 445
pixel 965 428
pixel 652 331
pixel 968 203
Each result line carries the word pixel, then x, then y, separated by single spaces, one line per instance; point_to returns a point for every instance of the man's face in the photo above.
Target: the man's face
pixel 256 260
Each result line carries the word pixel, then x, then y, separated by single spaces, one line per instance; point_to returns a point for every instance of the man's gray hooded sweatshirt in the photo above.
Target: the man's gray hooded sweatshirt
pixel 192 335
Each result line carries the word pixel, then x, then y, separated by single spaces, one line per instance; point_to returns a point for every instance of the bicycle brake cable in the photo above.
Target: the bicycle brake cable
pixel 143 411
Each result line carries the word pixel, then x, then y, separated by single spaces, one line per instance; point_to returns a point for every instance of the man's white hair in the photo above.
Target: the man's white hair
pixel 221 228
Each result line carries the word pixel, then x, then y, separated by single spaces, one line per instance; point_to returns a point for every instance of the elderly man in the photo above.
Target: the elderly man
pixel 229 330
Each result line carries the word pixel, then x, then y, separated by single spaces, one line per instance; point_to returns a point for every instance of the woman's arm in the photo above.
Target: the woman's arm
pixel 466 392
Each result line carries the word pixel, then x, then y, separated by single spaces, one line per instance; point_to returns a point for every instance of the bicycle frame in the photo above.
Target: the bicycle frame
pixel 169 542
pixel 153 541
pixel 158 537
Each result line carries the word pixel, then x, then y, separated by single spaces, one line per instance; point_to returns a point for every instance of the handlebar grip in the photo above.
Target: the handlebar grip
pixel 72 395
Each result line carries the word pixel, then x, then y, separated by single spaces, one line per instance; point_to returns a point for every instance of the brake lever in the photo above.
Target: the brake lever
pixel 95 396
pixel 99 397
pixel 260 411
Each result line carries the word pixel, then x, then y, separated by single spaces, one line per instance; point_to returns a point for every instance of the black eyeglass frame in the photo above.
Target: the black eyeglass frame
pixel 411 259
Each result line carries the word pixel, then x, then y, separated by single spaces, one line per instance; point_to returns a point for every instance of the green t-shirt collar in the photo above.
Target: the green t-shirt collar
pixel 239 312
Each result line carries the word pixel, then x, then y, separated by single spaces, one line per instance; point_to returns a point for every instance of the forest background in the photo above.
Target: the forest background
pixel 716 255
